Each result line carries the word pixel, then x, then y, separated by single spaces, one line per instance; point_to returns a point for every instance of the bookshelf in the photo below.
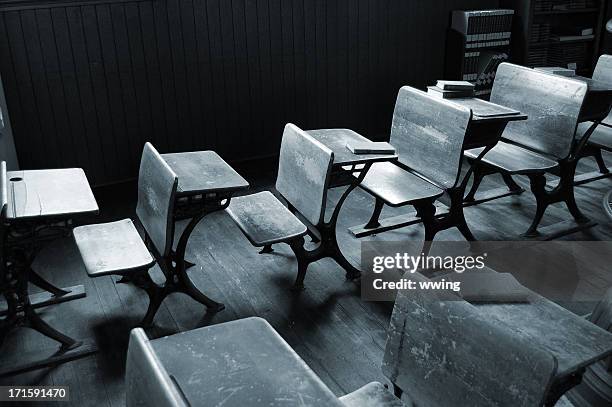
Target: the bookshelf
pixel 550 32
pixel 476 43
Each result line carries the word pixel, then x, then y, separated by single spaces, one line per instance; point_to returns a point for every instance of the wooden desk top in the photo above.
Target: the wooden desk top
pixel 336 140
pixel 484 111
pixel 594 85
pixel 203 172
pixel 573 340
pixel 56 193
pixel 240 363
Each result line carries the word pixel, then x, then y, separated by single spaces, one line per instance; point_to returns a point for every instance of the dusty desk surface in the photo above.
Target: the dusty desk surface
pixel 337 139
pixel 483 110
pixel 49 194
pixel 573 340
pixel 240 363
pixel 203 171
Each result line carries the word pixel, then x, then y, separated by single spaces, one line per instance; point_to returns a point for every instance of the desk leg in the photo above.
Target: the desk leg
pixel 185 282
pixel 329 234
pixel 20 312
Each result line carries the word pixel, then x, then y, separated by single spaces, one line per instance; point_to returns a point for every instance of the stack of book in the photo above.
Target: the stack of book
pixel 540 32
pixel 483 27
pixel 452 89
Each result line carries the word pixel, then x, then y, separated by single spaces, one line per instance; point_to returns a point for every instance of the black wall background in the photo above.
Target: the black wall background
pixel 88 82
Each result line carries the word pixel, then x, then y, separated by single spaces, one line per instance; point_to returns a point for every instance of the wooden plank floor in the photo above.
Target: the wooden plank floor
pixel 341 337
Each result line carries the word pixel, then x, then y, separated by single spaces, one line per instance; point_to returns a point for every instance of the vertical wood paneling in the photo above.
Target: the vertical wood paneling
pixel 87 83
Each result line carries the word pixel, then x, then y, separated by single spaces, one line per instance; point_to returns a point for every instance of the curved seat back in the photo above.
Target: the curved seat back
pixel 551 102
pixel 441 351
pixel 303 173
pixel 157 185
pixel 603 73
pixel 146 380
pixel 428 134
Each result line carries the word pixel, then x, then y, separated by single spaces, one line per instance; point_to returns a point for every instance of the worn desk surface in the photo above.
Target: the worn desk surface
pixel 55 193
pixel 573 340
pixel 337 139
pixel 203 172
pixel 240 363
pixel 594 85
pixel 484 111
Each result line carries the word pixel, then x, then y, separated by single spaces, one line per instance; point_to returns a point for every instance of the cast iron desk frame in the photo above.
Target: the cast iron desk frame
pixel 483 131
pixel 26 227
pixel 595 108
pixel 325 233
pixel 206 184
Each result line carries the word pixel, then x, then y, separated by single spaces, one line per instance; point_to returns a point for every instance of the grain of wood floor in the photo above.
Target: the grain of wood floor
pixel 341 337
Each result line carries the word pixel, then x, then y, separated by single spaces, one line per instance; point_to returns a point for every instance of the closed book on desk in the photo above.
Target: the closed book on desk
pixel 449 94
pixel 488 287
pixel 370 147
pixel 455 85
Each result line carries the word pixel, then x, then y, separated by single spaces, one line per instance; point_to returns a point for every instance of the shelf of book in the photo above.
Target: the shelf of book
pixel 562 33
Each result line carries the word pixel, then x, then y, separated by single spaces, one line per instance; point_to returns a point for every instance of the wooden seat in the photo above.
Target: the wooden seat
pixel 396 186
pixel 514 159
pixel 428 134
pixel 442 351
pixel 371 395
pixel 238 363
pixel 112 248
pixel 264 219
pixel 304 172
pixel 601 137
pixel 116 247
pixel 539 144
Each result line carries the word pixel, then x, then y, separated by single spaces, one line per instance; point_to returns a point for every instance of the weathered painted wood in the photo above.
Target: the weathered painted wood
pixel 442 351
pixel 244 362
pixel 428 134
pixel 337 139
pixel 203 171
pixel 147 382
pixel 601 137
pixel 112 248
pixel 53 193
pixel 371 395
pixel 514 159
pixel 574 341
pixel 304 170
pixel 603 73
pixel 157 185
pixel 551 102
pixel 264 220
pixel 397 186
